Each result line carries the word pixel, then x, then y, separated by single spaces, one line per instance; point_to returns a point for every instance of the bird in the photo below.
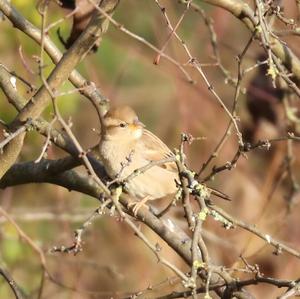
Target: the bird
pixel 125 146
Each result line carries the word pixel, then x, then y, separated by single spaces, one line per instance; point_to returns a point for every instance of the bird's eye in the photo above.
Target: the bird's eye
pixel 123 125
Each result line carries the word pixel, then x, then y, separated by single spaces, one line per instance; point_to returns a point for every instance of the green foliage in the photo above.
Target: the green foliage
pixel 12 250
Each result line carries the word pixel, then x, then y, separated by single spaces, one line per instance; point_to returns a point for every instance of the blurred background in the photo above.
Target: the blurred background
pixel 113 258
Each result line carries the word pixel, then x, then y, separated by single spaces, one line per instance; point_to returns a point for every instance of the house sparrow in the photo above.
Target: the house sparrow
pixel 126 146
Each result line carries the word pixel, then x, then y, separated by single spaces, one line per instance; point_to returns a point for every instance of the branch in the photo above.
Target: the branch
pixel 279 246
pixel 96 28
pixel 30 172
pixel 54 53
pixel 43 127
pixel 13 285
pixel 244 13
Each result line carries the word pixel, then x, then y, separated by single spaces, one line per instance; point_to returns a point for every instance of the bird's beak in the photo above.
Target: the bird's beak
pixel 136 125
pixel 139 123
pixel 137 129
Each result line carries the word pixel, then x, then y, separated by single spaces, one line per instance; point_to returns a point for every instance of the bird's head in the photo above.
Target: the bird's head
pixel 122 123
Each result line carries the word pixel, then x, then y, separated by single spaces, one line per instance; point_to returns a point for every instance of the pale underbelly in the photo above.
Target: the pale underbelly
pixel 153 184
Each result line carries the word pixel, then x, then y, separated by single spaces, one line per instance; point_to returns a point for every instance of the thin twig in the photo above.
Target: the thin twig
pixel 279 246
pixel 12 284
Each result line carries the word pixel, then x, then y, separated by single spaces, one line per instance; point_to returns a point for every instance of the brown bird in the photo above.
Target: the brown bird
pixel 126 146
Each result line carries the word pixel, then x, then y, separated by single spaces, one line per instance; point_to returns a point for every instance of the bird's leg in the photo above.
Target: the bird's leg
pixel 138 204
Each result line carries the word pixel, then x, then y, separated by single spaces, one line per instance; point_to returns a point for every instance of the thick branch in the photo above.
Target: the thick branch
pixel 96 28
pixel 243 12
pixel 57 137
pixel 53 172
pixel 54 53
pixel 47 172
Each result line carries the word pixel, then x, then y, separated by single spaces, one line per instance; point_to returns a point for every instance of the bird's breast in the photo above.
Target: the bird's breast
pixel 156 182
pixel 112 157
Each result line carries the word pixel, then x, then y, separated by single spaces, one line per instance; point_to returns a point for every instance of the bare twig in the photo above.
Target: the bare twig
pixel 25 237
pixel 11 136
pixel 279 246
pixel 12 284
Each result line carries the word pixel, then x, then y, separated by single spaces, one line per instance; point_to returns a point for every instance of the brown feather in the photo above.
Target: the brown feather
pixel 155 150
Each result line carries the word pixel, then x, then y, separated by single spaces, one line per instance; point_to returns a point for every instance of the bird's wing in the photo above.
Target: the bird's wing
pixel 155 150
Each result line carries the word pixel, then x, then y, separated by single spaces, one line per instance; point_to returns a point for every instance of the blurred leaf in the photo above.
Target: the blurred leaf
pixel 28 8
pixel 109 57
pixel 12 250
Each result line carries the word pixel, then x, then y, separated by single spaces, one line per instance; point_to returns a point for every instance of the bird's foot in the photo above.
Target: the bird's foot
pixel 135 206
